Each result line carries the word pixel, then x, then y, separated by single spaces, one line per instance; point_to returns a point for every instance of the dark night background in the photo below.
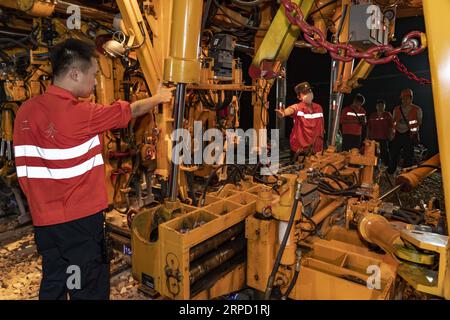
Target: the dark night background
pixel 385 82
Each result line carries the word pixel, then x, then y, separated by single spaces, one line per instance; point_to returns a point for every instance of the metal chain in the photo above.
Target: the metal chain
pixel 402 68
pixel 382 54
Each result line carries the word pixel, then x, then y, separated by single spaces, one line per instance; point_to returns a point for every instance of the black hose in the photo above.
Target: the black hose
pixel 410 216
pixel 341 187
pixel 327 187
pixel 19 43
pixel 208 101
pixel 413 216
pixel 322 7
pixel 271 279
pixel 260 180
pixel 314 227
pixel 208 181
pixel 190 183
pixel 291 285
pixel 343 194
pixel 275 187
pixel 231 177
pixel 402 217
pixel 298 154
pixel 337 177
pixel 336 170
pixel 4 56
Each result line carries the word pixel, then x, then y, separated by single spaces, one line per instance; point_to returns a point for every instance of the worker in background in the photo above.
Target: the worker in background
pixel 308 131
pixel 353 120
pixel 58 148
pixel 407 122
pixel 380 129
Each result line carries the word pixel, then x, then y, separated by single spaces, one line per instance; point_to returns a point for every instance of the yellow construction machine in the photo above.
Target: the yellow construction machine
pixel 317 228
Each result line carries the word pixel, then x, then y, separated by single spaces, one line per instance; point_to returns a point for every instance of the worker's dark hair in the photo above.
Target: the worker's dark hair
pixel 359 98
pixel 72 53
pixel 381 101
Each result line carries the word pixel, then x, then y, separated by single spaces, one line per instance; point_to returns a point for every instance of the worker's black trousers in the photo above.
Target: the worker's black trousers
pixel 402 142
pixel 384 152
pixel 350 141
pixel 74 260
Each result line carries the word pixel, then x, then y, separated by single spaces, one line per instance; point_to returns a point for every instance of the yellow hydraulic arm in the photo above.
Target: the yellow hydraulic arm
pixel 436 20
pixel 280 38
pixel 151 55
pixel 274 49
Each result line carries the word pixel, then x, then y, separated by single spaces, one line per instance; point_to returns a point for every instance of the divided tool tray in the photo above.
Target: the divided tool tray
pixel 192 228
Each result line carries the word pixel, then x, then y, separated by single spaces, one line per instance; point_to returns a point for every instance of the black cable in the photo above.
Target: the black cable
pixel 400 217
pixel 320 10
pixel 327 188
pixel 263 102
pixel 326 185
pixel 19 43
pixel 335 180
pixel 313 229
pixel 191 192
pixel 22 42
pixel 238 169
pixel 336 170
pixel 208 102
pixel 209 180
pixel 298 154
pixel 291 285
pixel 341 193
pixel 141 28
pixel 4 56
pixel 277 186
pixel 322 7
pixel 260 180
pixel 415 215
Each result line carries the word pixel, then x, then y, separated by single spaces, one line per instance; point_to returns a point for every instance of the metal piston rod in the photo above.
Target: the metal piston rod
pixel 204 266
pixel 213 243
pixel 180 94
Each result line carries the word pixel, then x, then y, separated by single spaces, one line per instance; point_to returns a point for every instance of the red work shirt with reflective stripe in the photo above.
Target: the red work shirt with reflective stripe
pixel 58 152
pixel 308 128
pixel 352 114
pixel 380 126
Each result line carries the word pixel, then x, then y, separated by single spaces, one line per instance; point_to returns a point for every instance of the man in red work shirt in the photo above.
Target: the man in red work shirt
pixel 307 134
pixel 58 145
pixel 353 119
pixel 380 128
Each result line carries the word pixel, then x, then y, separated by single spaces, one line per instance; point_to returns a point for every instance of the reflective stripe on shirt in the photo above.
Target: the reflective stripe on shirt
pixel 309 115
pixel 352 114
pixel 56 154
pixel 65 173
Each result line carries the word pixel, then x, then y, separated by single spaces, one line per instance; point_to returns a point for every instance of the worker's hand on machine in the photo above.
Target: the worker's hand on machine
pixel 164 94
pixel 280 112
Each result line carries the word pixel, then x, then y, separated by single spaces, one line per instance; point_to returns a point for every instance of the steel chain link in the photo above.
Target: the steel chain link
pixel 382 54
